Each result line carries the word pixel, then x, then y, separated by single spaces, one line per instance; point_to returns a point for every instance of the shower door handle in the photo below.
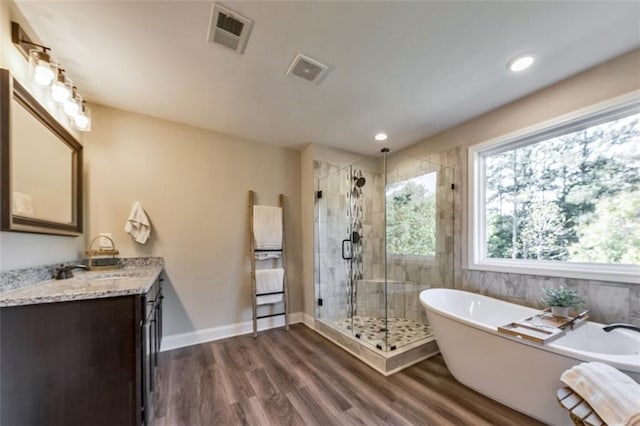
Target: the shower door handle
pixel 345 255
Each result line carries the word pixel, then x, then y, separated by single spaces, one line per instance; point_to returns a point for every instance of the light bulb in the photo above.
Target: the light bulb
pixel 43 75
pixel 42 69
pixel 61 88
pixel 59 92
pixel 380 137
pixel 72 105
pixel 520 63
pixel 82 120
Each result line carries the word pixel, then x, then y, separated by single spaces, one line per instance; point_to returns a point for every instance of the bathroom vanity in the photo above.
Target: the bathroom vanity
pixel 82 350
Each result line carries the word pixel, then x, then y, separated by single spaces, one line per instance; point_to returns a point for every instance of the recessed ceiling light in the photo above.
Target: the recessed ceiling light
pixel 380 137
pixel 520 63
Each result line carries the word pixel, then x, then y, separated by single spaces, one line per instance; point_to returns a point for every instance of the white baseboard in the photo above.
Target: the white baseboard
pixel 222 332
pixel 308 320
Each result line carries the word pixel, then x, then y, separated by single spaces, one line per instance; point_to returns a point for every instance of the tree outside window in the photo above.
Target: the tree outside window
pixel 411 216
pixel 574 197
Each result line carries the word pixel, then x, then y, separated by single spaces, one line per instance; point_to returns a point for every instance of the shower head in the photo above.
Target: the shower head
pixel 360 181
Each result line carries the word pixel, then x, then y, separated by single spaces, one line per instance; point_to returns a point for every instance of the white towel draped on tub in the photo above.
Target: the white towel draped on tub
pixel 611 393
pixel 269 281
pixel 138 225
pixel 267 227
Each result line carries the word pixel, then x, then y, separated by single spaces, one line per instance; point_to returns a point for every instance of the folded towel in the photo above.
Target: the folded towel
pixel 138 224
pixel 268 281
pixel 267 227
pixel 611 393
pixel 22 204
pixel 267 255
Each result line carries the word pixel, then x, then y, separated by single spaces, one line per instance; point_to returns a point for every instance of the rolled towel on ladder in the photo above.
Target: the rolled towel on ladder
pixel 268 255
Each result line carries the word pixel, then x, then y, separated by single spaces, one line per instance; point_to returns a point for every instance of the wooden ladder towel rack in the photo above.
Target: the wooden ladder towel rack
pixel 283 258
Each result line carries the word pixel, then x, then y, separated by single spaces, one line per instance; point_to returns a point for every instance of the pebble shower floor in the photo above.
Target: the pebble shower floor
pixel 399 331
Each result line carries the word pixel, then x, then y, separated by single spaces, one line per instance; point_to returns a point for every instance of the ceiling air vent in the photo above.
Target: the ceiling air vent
pixel 229 29
pixel 307 68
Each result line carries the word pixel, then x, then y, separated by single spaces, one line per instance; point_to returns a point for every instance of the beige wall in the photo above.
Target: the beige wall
pixel 18 250
pixel 4 20
pixel 194 186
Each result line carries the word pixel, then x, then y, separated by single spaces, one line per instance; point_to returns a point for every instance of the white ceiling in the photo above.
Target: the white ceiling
pixel 411 69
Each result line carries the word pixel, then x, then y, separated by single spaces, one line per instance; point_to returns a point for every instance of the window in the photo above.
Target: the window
pixel 411 216
pixel 562 199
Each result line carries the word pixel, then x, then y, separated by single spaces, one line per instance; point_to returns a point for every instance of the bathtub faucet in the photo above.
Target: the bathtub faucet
pixel 620 325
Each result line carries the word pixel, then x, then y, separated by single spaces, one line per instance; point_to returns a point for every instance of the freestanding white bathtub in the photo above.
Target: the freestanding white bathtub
pixel 523 375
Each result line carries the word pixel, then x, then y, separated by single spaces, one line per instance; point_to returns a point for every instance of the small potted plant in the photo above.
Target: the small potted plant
pixel 561 300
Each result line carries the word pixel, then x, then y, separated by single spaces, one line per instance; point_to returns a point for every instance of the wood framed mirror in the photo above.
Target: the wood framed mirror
pixel 40 166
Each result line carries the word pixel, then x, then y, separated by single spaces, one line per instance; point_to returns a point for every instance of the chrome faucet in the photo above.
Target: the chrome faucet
pixel 64 272
pixel 610 327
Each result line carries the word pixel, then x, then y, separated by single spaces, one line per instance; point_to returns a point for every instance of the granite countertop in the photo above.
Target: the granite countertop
pixel 127 281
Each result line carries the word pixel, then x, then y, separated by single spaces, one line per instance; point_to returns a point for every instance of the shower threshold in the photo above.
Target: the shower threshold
pixel 412 344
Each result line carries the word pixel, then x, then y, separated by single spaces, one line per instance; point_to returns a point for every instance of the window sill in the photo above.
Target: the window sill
pixel 412 258
pixel 583 271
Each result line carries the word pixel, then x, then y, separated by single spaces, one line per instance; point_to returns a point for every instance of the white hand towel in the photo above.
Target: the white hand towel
pixel 611 393
pixel 138 225
pixel 22 204
pixel 267 227
pixel 269 281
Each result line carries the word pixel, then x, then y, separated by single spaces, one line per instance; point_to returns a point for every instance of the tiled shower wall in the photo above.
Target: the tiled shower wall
pixel 401 297
pixel 440 270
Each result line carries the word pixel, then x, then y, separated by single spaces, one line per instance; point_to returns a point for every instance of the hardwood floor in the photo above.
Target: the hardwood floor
pixel 300 378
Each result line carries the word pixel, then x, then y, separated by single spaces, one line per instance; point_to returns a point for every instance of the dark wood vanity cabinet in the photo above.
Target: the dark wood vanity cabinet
pixel 85 362
pixel 151 339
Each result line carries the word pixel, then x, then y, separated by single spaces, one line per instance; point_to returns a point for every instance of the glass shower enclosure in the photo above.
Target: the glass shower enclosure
pixel 383 232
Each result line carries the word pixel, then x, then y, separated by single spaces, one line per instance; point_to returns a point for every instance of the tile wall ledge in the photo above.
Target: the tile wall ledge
pixel 24 277
pixel 624 274
pixel 609 301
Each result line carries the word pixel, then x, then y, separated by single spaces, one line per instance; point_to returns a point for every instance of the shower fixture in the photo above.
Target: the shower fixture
pixel 360 181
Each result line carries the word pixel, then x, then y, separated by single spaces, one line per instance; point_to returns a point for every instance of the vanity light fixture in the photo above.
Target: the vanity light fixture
pixel 46 72
pixel 42 69
pixel 380 137
pixel 520 63
pixel 61 88
pixel 82 119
